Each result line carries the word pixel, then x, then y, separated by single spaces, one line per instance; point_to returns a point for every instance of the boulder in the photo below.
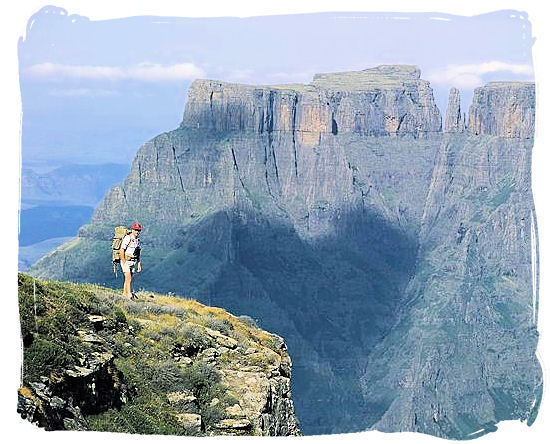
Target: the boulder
pixel 191 422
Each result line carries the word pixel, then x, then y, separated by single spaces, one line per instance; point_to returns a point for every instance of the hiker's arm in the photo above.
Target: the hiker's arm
pixel 139 267
pixel 122 254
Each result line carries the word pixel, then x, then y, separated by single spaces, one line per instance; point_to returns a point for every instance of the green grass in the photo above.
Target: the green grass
pixel 50 314
pixel 503 192
pixel 144 337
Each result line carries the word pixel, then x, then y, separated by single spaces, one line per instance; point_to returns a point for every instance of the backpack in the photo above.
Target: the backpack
pixel 120 232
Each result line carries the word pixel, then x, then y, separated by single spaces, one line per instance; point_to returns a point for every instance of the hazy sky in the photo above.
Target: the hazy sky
pixel 94 91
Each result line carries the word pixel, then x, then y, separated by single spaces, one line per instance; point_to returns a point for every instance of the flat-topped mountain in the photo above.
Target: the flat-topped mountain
pixel 395 257
pixel 379 101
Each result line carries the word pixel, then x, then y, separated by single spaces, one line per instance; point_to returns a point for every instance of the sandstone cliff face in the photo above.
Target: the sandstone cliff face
pixel 505 109
pixel 62 403
pixel 340 216
pixel 469 328
pixel 381 101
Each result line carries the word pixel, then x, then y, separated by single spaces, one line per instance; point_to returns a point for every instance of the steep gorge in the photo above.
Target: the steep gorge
pixel 341 216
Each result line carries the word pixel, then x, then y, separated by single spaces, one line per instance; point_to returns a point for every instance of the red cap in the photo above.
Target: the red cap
pixel 136 226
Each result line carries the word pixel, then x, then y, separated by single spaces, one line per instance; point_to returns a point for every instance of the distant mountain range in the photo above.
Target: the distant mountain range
pixel 46 222
pixel 28 255
pixel 70 184
pixel 55 204
pixel 397 256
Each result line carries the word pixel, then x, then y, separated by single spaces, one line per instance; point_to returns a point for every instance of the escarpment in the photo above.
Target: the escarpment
pixel 393 255
pixel 505 109
pixel 381 101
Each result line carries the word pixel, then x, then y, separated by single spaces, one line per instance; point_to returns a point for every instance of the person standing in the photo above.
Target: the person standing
pixel 130 261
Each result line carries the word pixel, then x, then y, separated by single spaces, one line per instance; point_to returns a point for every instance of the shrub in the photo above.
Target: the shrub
pixel 55 324
pixel 116 320
pixel 26 309
pixel 192 338
pixel 147 414
pixel 202 380
pixel 44 357
pixel 261 360
pixel 248 321
pixel 119 316
pixel 222 325
pixel 169 331
pixel 168 377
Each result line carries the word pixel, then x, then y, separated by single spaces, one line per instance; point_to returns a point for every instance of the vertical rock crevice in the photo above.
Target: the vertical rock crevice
pixel 294 113
pixel 178 169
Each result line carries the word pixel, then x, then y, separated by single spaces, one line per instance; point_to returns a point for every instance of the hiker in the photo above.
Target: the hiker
pixel 130 257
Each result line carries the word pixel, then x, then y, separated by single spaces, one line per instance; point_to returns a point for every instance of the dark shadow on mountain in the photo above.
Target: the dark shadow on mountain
pixel 331 299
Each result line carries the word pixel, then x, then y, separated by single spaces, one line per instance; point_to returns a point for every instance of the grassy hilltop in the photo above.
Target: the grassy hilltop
pixel 159 365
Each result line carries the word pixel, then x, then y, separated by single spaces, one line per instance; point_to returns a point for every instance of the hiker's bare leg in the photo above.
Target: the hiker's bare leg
pixel 127 285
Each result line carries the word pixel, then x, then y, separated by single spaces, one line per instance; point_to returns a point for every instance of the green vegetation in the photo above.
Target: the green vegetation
pixel 50 313
pixel 505 189
pixel 157 343
pixel 148 413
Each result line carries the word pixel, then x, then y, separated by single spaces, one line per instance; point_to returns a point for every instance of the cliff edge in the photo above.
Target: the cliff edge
pixel 159 365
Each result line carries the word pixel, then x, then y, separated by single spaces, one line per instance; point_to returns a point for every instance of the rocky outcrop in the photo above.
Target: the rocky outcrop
pixel 350 235
pixel 505 109
pixel 268 393
pixel 93 386
pixel 227 378
pixel 455 118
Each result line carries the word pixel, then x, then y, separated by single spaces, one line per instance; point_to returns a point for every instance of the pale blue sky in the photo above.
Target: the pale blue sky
pixel 94 91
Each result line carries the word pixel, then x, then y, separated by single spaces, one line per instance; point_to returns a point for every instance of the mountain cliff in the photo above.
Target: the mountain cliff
pixel 95 361
pixel 341 216
pixel 468 330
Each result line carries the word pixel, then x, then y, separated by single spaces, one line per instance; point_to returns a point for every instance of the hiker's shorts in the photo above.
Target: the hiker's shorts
pixel 128 267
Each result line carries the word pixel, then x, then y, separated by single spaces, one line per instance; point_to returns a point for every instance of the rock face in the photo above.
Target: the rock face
pixel 505 109
pixel 393 257
pixel 380 101
pixel 85 389
pixel 471 315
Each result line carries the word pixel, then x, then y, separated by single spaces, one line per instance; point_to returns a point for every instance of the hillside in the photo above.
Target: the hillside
pixel 159 365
